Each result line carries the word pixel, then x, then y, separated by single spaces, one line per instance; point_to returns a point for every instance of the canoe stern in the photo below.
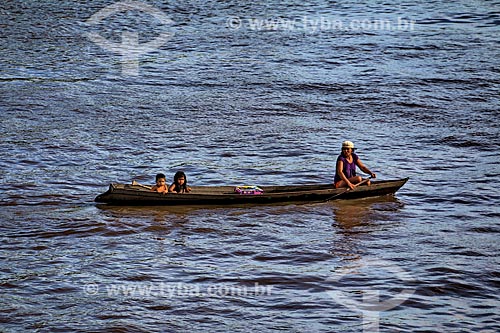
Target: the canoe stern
pixel 104 197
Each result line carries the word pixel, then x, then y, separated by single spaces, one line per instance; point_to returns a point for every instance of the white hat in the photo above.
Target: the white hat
pixel 347 144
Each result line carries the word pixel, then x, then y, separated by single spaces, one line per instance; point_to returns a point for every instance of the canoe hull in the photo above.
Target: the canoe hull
pixel 125 194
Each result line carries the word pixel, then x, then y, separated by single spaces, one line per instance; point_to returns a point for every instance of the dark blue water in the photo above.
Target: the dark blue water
pixel 249 93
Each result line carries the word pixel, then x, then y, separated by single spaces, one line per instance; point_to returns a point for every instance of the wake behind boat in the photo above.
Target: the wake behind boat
pixel 136 194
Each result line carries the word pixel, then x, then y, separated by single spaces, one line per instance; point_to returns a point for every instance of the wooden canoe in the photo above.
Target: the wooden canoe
pixel 135 194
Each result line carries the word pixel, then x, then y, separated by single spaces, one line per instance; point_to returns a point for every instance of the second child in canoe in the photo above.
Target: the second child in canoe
pixel 180 183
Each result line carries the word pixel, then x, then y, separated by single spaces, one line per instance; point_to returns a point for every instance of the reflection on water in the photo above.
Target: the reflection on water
pixel 161 213
pixel 354 220
pixel 351 216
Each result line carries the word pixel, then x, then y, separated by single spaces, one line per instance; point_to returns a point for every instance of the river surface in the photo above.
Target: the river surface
pixel 235 92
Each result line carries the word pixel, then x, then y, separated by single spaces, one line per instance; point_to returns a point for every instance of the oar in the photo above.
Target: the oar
pixel 137 184
pixel 348 189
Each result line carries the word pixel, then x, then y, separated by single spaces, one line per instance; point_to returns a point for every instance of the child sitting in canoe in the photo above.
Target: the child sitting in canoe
pixel 161 184
pixel 345 173
pixel 180 183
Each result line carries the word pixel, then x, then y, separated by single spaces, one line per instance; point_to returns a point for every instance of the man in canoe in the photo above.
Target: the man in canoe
pixel 345 172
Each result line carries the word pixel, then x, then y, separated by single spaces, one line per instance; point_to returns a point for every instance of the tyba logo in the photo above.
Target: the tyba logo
pixel 130 49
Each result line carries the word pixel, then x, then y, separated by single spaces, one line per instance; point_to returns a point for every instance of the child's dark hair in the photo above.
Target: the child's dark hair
pixel 160 176
pixel 183 187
